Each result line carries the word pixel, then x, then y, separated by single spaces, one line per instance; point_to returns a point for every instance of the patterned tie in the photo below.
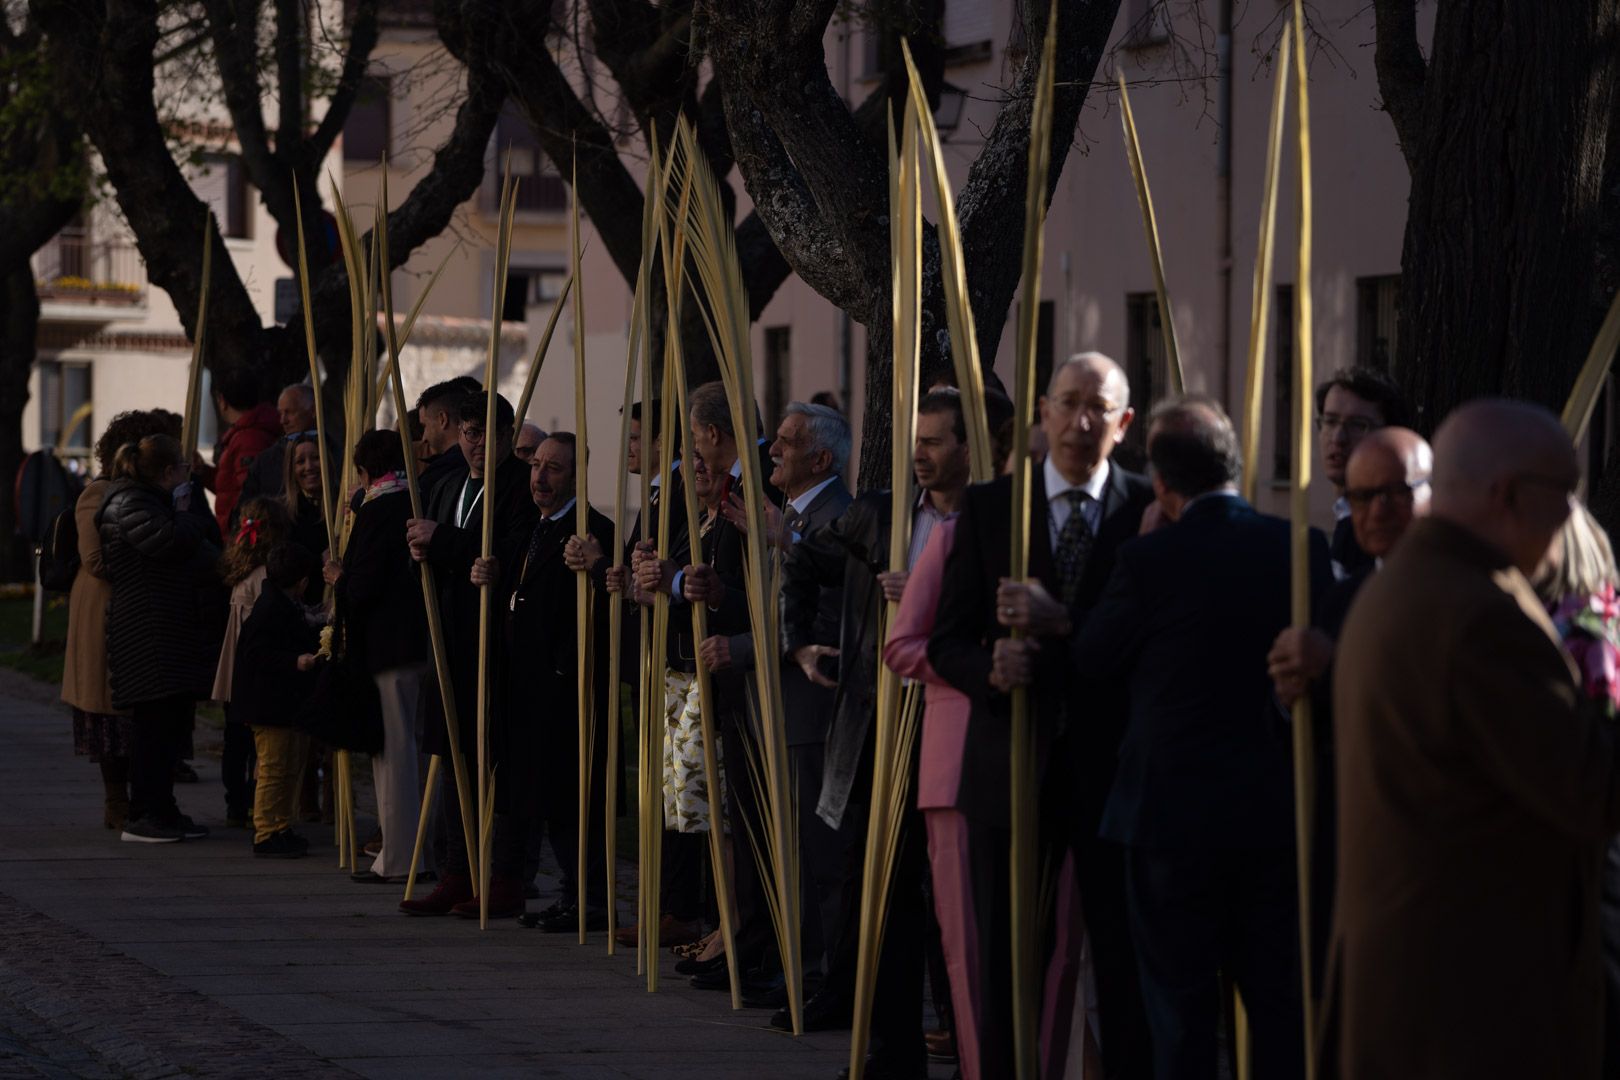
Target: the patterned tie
pixel 1073 547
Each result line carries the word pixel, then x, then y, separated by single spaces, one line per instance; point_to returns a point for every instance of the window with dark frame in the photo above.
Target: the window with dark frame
pixel 540 188
pixel 64 387
pixel 1282 382
pixel 1378 307
pixel 368 131
pixel 222 183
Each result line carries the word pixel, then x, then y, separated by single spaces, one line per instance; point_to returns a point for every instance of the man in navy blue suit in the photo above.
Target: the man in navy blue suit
pixel 1203 797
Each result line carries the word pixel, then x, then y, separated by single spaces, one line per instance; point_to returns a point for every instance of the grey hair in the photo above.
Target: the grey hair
pixel 1091 358
pixel 305 391
pixel 829 431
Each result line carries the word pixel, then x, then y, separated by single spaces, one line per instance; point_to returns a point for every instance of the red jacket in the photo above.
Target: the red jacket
pixel 254 431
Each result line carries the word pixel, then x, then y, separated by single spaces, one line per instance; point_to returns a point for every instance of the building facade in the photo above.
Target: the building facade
pixel 109 341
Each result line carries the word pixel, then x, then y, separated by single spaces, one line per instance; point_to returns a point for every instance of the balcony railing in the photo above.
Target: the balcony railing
pixel 79 270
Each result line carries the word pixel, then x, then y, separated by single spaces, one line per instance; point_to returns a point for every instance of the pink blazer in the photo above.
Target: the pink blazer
pixel 945 712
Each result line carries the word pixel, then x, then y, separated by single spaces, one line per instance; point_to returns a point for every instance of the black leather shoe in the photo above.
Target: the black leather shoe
pixel 566 921
pixel 695 966
pixel 717 979
pixel 823 1012
pixel 768 994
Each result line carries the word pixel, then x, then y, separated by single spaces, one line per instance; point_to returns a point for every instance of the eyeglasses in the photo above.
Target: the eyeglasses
pixel 474 432
pixel 1097 411
pixel 1353 426
pixel 1401 494
pixel 524 453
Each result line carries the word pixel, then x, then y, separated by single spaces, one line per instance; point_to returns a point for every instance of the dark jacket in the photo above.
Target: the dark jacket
pixel 451 553
pixel 379 592
pixel 438 469
pixel 268 689
pixel 809 707
pixel 1184 626
pixel 1346 551
pixel 158 562
pixel 848 553
pixel 309 532
pixel 1080 756
pixel 536 734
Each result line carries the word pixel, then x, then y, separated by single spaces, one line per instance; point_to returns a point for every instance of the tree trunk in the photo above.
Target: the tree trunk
pixel 1506 131
pixel 19 327
pixel 877 419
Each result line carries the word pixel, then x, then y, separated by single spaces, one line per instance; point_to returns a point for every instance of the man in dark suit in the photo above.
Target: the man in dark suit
pixel 1387 487
pixel 449 539
pixel 809 455
pixel 1351 403
pixel 536 736
pixel 1203 797
pixel 1084 508
pixel 851 554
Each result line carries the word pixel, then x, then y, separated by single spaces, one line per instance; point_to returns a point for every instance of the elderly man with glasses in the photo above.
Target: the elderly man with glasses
pixel 1386 487
pixel 1350 405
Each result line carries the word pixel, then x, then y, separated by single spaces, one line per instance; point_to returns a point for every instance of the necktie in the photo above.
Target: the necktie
pixel 1073 548
pixel 542 530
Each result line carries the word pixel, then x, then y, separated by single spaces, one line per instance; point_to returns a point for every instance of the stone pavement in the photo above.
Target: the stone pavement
pixel 129 960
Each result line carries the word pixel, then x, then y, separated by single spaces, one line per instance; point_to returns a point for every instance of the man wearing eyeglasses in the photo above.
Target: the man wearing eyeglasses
pixel 1387 487
pixel 1351 404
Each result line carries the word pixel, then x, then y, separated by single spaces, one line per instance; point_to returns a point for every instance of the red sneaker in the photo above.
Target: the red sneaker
pixel 452 889
pixel 505 901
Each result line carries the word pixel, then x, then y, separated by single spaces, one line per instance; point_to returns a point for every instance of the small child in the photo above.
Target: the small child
pixel 275 677
pixel 263 523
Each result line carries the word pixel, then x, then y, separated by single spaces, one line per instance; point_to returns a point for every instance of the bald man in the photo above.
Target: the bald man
pixel 1475 795
pixel 1386 486
pixel 1084 507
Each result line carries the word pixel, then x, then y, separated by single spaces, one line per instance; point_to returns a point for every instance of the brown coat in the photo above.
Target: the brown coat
pixel 1475 799
pixel 84 667
pixel 243 596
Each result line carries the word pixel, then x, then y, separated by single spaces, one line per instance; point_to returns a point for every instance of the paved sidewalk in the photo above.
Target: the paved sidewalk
pixel 127 960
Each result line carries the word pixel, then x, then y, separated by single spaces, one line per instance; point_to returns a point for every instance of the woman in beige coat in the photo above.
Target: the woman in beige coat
pixel 99 732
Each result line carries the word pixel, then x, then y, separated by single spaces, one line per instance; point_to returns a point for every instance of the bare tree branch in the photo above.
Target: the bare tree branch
pixel 363 33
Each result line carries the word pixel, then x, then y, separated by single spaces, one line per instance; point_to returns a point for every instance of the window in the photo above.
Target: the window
pixel 1378 305
pixel 64 389
pixel 529 286
pixel 367 133
pixel 1282 382
pixel 222 184
pixel 968 28
pixel 778 357
pixel 515 304
pixel 540 188
pixel 1146 363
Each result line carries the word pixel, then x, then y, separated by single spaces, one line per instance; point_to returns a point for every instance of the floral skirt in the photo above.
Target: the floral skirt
pixel 686 787
pixel 101 736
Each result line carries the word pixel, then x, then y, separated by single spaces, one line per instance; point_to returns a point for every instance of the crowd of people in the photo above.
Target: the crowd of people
pixel 1459 672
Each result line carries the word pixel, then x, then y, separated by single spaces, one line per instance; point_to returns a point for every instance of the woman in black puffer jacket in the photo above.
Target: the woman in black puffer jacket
pixel 155 553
